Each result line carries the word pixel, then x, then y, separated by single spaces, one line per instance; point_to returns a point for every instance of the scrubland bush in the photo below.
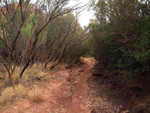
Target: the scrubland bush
pixel 121 42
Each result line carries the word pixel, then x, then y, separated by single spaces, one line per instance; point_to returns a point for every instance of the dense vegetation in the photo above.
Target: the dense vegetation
pixel 121 43
pixel 121 35
pixel 44 31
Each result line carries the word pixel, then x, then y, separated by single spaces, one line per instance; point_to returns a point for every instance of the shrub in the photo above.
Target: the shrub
pixel 35 94
pixel 120 42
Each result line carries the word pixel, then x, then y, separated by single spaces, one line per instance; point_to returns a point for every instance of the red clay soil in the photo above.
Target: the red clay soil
pixel 69 93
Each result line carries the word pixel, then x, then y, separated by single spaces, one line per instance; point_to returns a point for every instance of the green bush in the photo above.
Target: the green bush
pixel 121 36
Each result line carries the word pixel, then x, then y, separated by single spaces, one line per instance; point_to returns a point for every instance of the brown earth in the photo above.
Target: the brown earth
pixel 74 90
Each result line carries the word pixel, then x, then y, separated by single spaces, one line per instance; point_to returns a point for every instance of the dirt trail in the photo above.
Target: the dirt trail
pixel 80 92
pixel 72 92
pixel 59 96
pixel 74 98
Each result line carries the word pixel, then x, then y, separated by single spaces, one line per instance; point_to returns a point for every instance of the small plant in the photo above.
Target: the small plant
pixel 7 95
pixel 35 94
pixel 20 91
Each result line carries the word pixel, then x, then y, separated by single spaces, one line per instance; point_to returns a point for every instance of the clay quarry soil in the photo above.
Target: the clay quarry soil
pixel 74 90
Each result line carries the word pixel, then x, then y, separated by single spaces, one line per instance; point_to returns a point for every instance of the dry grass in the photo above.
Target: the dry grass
pixel 3 73
pixel 15 77
pixel 7 95
pixel 34 71
pixel 35 94
pixel 7 82
pixel 20 91
pixel 2 69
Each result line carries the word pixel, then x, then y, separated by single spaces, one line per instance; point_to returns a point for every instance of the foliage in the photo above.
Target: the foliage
pixel 45 31
pixel 64 41
pixel 121 35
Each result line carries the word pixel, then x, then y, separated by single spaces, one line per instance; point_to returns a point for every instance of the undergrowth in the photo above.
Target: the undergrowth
pixel 20 88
